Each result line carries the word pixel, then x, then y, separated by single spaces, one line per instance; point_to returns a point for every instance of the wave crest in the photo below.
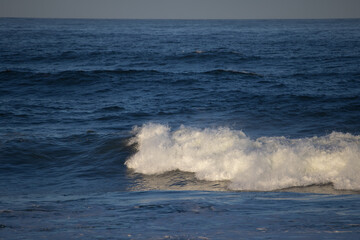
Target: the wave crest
pixel 264 164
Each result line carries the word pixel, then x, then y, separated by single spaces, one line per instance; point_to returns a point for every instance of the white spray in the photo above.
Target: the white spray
pixel 267 163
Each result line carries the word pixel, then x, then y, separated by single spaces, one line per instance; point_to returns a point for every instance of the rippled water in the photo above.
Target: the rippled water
pixel 139 129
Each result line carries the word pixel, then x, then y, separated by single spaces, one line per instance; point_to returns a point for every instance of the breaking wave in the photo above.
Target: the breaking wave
pixel 263 164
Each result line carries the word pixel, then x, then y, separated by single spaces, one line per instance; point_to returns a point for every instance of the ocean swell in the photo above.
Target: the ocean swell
pixel 263 164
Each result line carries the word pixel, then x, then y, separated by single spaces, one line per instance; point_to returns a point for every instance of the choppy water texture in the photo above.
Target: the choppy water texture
pixel 139 129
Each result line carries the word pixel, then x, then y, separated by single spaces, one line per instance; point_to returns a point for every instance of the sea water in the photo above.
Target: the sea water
pixel 179 129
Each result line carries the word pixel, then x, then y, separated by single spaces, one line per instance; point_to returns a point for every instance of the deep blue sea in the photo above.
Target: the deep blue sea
pixel 179 129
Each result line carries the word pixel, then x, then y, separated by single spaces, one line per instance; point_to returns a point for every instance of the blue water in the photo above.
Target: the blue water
pixel 174 129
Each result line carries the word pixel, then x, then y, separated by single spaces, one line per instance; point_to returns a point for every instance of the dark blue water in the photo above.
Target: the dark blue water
pixel 169 129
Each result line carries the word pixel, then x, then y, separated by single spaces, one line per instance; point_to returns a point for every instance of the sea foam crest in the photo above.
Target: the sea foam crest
pixel 267 163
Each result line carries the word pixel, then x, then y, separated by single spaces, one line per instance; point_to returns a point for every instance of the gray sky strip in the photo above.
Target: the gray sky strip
pixel 181 9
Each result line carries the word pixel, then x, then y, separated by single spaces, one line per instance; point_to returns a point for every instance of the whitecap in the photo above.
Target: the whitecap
pixel 263 164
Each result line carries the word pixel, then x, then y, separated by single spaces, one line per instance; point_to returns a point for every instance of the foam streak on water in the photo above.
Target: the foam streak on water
pixel 266 163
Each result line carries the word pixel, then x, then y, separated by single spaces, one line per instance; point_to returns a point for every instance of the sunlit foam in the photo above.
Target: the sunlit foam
pixel 263 164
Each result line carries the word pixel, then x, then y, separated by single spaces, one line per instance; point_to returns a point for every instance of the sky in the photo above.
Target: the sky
pixel 181 9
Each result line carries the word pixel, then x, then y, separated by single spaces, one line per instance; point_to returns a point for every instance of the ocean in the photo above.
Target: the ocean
pixel 179 129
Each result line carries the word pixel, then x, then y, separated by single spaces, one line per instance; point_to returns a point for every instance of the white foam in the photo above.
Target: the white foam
pixel 267 163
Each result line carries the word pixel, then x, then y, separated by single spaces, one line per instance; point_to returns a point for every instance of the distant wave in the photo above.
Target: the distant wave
pixel 69 77
pixel 263 164
pixel 121 71
pixel 211 55
pixel 222 71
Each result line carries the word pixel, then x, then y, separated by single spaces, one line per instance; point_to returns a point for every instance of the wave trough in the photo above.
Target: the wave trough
pixel 263 164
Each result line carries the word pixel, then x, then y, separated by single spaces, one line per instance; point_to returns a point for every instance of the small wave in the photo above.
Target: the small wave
pixel 111 109
pixel 211 55
pixel 263 164
pixel 98 71
pixel 84 73
pixel 127 71
pixel 222 71
pixel 18 74
pixel 68 77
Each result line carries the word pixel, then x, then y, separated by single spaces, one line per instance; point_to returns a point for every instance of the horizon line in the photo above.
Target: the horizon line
pixel 181 19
